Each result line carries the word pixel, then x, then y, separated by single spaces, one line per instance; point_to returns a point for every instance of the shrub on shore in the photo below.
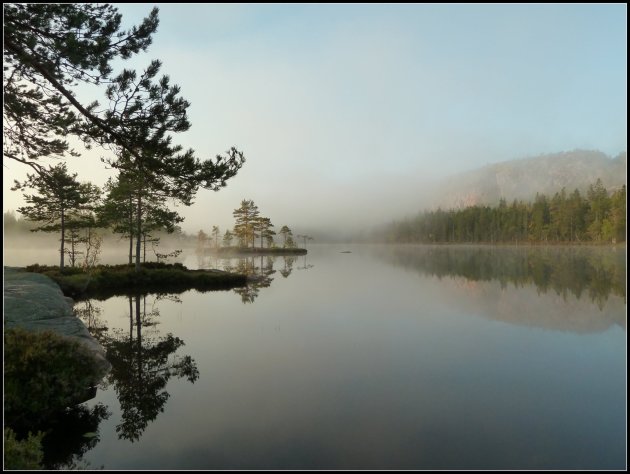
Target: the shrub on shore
pixel 44 373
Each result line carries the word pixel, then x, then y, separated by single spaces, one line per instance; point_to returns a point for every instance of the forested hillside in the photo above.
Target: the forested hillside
pixel 523 179
pixel 598 216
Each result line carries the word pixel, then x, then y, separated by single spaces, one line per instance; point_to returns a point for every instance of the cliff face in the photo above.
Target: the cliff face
pixel 522 179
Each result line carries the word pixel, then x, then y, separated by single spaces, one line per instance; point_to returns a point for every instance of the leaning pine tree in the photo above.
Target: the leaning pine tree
pixel 50 49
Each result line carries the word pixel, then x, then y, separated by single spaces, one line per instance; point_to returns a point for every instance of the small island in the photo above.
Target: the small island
pixel 249 227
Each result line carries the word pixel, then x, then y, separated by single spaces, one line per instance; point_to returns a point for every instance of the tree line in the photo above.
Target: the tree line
pixel 79 212
pixel 599 216
pixel 249 226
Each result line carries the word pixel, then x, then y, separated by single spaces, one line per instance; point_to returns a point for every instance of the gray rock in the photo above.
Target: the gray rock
pixel 34 302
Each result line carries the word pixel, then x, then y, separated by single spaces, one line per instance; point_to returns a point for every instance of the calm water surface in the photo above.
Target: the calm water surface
pixel 385 357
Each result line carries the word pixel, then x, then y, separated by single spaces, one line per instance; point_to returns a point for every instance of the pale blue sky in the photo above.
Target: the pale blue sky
pixel 347 107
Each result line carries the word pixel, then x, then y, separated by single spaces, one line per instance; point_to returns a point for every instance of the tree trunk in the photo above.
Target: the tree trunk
pixel 130 230
pixel 72 255
pixel 139 337
pixel 130 320
pixel 63 234
pixel 138 232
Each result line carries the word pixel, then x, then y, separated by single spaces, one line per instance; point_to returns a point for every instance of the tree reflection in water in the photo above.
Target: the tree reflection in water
pixel 72 434
pixel 142 362
pixel 288 266
pixel 258 268
pixel 305 266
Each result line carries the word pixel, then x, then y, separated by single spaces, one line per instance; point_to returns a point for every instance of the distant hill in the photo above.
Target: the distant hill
pixel 522 179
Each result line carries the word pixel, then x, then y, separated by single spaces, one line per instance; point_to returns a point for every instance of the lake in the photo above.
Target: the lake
pixel 414 357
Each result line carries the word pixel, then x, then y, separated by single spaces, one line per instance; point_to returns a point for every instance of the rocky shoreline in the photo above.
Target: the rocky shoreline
pixel 34 302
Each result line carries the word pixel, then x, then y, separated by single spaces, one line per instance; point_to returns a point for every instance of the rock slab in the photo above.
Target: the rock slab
pixel 34 302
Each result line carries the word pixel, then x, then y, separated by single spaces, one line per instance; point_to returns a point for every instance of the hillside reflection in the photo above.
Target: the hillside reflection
pixel 597 273
pixel 568 288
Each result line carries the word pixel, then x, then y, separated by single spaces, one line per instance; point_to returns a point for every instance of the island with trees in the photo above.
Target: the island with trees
pixel 252 234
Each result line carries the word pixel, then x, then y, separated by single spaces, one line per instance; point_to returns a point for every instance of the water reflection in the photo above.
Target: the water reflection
pixel 597 273
pixel 581 290
pixel 71 435
pixel 376 367
pixel 305 266
pixel 288 266
pixel 141 367
pixel 142 361
pixel 259 269
pixel 68 435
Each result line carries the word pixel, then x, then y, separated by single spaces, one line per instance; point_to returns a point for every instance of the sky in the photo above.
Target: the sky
pixel 345 113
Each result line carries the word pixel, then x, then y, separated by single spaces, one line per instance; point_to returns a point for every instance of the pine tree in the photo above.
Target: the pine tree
pixel 262 227
pixel 227 238
pixel 48 50
pixel 148 110
pixel 286 234
pixel 245 217
pixel 599 204
pixel 215 233
pixel 305 238
pixel 58 194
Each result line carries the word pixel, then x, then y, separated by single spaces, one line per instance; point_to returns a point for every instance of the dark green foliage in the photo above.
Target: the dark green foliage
pixel 24 454
pixel 59 202
pixel 49 49
pixel 105 281
pixel 563 218
pixel 147 110
pixel 44 373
